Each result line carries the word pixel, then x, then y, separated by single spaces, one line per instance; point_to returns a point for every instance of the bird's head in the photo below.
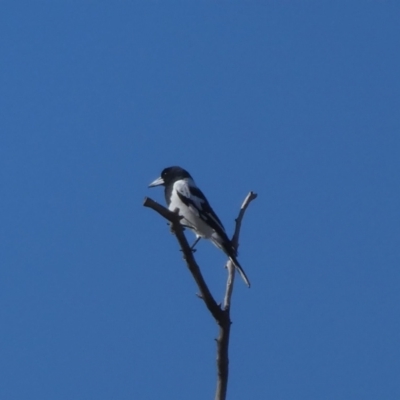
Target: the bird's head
pixel 170 175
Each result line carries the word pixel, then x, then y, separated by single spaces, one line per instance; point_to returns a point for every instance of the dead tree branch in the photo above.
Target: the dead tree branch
pixel 225 322
pixel 235 242
pixel 220 314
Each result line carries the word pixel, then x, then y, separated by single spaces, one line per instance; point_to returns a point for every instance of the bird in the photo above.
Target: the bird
pixel 181 192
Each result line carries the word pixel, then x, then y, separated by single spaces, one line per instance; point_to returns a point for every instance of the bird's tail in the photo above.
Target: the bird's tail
pixel 240 270
pixel 230 251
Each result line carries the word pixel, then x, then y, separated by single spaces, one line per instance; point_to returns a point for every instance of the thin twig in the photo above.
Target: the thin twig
pixel 249 198
pixel 235 242
pixel 229 285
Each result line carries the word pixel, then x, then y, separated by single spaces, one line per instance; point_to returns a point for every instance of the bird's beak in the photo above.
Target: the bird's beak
pixel 158 182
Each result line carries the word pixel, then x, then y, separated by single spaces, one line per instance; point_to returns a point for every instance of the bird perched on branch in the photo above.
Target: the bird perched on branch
pixel 181 192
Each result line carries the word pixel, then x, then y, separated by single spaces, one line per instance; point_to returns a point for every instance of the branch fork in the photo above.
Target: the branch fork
pixel 221 313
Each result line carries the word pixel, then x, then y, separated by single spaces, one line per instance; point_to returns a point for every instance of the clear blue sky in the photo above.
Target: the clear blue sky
pixel 298 102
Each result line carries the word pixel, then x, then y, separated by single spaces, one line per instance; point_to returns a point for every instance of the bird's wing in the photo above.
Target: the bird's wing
pixel 194 198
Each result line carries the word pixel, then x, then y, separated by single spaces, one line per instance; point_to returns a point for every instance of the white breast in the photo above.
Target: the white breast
pixel 190 214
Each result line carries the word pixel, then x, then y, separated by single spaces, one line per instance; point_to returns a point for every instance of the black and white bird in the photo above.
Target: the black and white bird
pixel 181 192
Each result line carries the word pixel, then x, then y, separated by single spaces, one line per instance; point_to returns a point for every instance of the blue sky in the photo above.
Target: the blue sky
pixel 297 102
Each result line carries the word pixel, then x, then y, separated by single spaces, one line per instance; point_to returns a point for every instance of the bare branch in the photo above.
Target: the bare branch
pixel 235 241
pixel 191 263
pixel 249 198
pixel 225 325
pixel 221 315
pixel 229 284
pixel 164 212
pixel 223 356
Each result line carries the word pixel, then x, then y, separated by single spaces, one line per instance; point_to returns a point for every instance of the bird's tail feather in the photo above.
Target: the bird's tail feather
pixel 240 270
pixel 230 251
